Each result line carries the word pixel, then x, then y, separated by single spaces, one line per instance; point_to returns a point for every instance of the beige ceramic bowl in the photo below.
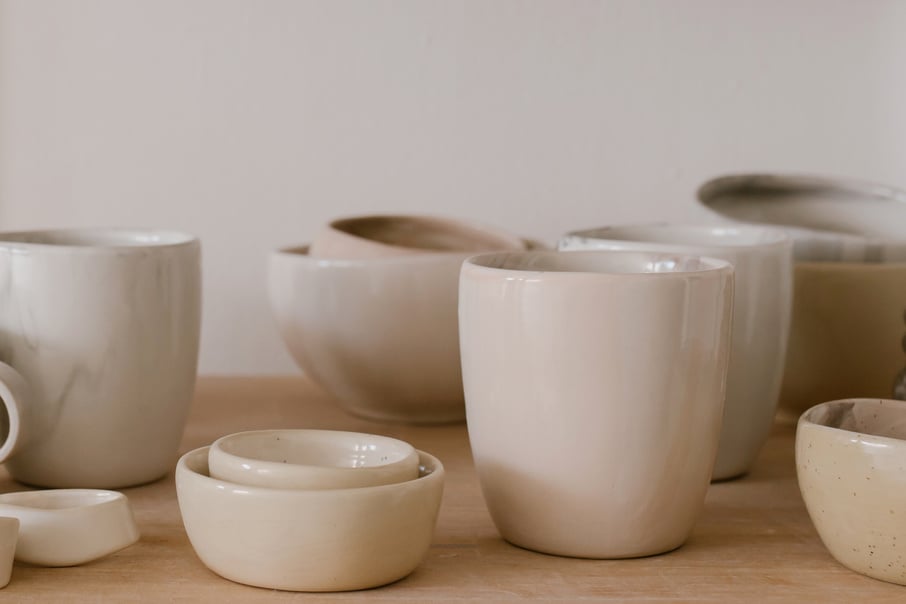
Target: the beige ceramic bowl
pixel 9 535
pixel 851 464
pixel 847 328
pixel 311 459
pixel 299 540
pixel 380 335
pixel 386 236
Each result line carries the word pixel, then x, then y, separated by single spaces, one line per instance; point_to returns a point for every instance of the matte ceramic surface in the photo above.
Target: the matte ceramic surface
pixel 311 459
pixel 762 258
pixel 851 464
pixel 847 329
pixel 9 535
pixel 594 388
pixel 65 527
pixel 831 219
pixel 382 236
pixel 379 335
pixel 103 326
pixel 302 540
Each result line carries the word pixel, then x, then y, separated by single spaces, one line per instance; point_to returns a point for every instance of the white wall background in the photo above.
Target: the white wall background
pixel 250 123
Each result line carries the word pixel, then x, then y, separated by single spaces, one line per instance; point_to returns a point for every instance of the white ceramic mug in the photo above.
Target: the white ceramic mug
pixel 99 338
pixel 762 257
pixel 594 385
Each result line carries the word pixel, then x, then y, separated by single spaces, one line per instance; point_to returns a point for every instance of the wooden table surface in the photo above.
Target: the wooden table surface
pixel 753 542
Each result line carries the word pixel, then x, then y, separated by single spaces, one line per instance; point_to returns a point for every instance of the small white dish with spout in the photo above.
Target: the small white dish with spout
pixel 66 527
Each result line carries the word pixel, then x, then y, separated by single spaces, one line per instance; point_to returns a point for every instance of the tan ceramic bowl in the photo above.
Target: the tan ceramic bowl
pixel 301 540
pixel 380 335
pixel 850 460
pixel 311 459
pixel 386 236
pixel 846 332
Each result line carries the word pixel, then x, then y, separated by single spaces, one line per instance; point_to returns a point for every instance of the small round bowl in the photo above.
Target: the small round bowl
pixel 300 540
pixel 386 236
pixel 65 527
pixel 850 460
pixel 379 335
pixel 311 459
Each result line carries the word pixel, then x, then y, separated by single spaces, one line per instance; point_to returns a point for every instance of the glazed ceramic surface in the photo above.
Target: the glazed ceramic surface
pixel 103 327
pixel 851 464
pixel 383 236
pixel 379 335
pixel 594 388
pixel 303 540
pixel 846 333
pixel 9 535
pixel 311 459
pixel 65 527
pixel 849 280
pixel 762 258
pixel 831 219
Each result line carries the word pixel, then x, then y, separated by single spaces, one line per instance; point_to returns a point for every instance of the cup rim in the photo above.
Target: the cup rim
pixel 119 239
pixel 713 236
pixel 483 263
pixel 806 419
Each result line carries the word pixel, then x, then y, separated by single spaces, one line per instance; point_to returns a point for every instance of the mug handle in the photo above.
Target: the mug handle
pixel 15 397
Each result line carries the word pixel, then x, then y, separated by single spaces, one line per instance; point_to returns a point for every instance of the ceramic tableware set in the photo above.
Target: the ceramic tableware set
pixel 604 385
pixel 310 510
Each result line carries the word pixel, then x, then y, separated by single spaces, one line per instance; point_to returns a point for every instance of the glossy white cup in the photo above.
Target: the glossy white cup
pixel 763 262
pixel 594 386
pixel 99 339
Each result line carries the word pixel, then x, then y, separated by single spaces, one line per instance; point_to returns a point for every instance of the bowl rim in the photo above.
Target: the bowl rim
pixel 776 237
pixel 806 421
pixel 300 254
pixel 329 439
pixel 430 470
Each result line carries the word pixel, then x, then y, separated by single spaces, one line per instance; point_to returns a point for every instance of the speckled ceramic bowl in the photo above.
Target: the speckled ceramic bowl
pixel 851 463
pixel 304 540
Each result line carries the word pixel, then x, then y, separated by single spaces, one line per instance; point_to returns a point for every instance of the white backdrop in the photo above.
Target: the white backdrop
pixel 250 123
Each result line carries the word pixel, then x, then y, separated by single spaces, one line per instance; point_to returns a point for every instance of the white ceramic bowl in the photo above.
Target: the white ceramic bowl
pixel 386 236
pixel 850 460
pixel 65 527
pixel 311 459
pixel 299 540
pixel 379 335
pixel 830 219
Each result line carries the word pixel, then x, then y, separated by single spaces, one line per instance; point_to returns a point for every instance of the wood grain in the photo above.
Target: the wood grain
pixel 754 541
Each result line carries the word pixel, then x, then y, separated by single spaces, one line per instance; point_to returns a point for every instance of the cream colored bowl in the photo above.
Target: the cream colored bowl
pixel 65 527
pixel 379 335
pixel 300 540
pixel 385 236
pixel 311 459
pixel 850 459
pixel 9 535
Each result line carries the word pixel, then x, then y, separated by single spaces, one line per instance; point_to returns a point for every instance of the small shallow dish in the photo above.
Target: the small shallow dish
pixel 302 540
pixel 65 527
pixel 311 459
pixel 851 466
pixel 9 535
pixel 388 235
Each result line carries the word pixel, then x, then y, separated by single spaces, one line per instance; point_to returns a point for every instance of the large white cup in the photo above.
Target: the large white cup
pixel 762 257
pixel 99 338
pixel 594 385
